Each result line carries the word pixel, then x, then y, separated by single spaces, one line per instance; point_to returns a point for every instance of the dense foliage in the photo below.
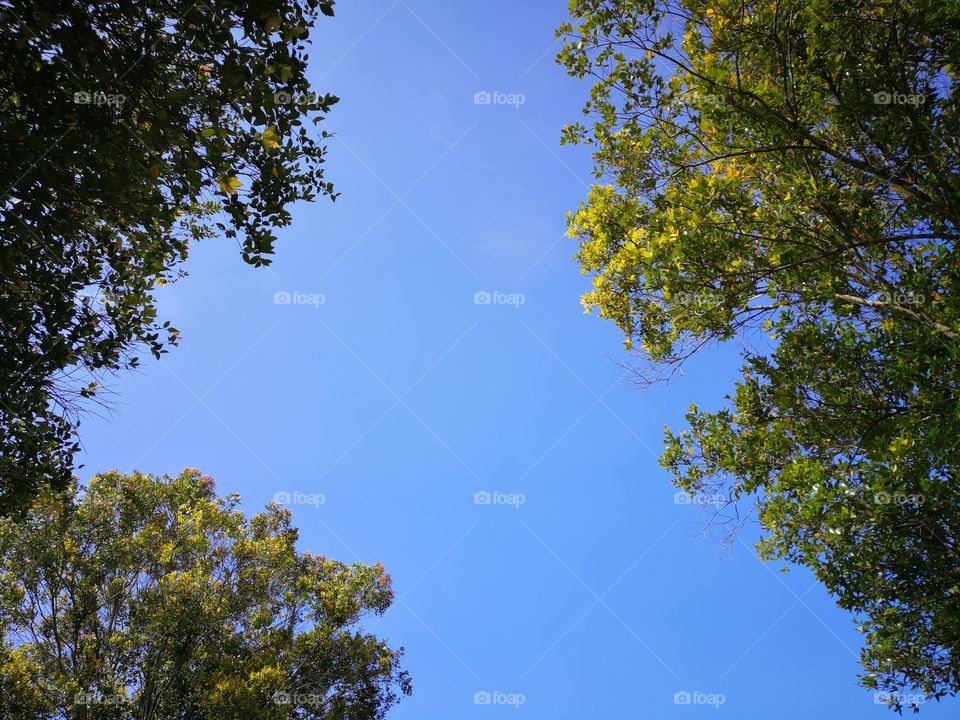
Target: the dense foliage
pixel 790 167
pixel 130 129
pixel 153 599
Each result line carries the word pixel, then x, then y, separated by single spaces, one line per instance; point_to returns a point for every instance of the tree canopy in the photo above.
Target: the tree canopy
pixel 786 172
pixel 131 129
pixel 151 598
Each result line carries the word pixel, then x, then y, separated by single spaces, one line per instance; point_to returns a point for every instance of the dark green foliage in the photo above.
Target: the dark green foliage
pixel 129 130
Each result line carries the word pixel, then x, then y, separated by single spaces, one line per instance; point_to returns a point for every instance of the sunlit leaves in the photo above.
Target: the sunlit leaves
pixel 785 173
pixel 145 592
pixel 230 185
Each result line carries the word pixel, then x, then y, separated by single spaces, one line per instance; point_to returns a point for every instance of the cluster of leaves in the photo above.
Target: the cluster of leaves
pixel 791 167
pixel 129 130
pixel 153 598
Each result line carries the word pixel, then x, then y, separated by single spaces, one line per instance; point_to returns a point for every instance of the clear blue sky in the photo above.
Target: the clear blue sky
pixel 398 398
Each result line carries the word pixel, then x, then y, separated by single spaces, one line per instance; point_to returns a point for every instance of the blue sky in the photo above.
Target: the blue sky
pixel 383 389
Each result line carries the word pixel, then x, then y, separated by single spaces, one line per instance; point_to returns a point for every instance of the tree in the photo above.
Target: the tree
pixel 130 130
pixel 153 598
pixel 791 167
